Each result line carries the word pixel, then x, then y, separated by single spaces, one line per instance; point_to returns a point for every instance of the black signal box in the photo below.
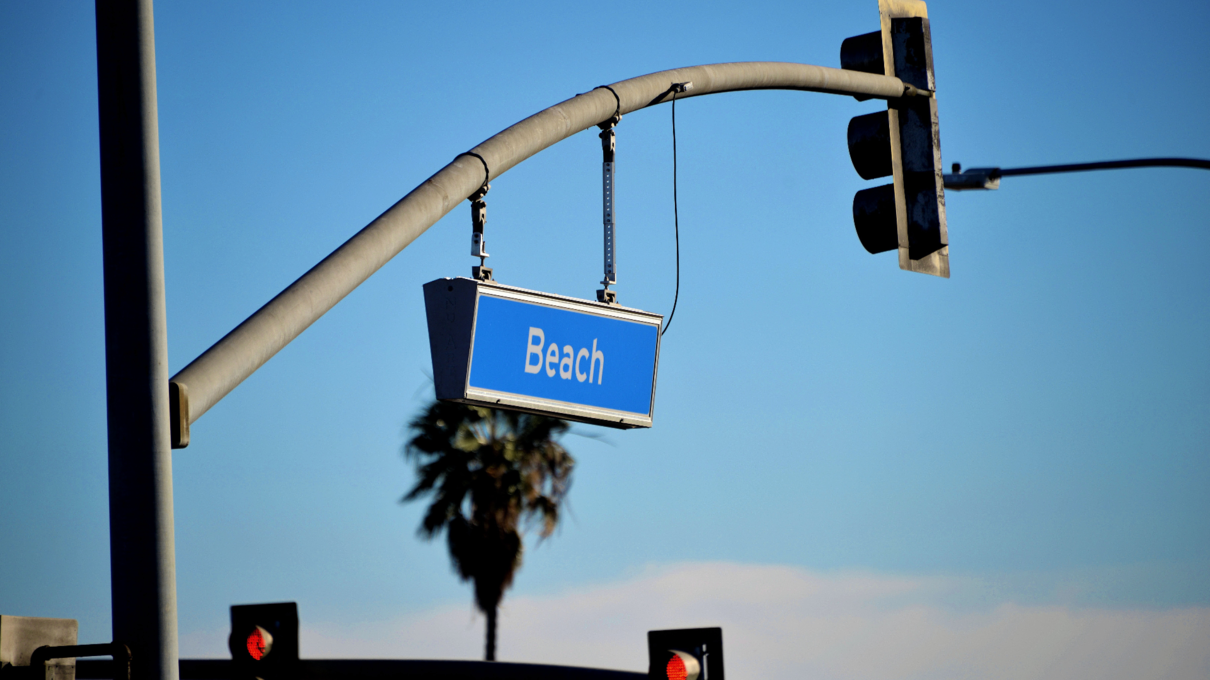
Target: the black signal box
pixel 264 640
pixel 705 645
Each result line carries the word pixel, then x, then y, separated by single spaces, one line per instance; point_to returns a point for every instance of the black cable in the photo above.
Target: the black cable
pixel 675 221
pixel 617 112
pixel 487 174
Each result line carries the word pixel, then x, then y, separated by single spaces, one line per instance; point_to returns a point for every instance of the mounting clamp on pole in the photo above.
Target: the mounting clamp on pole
pixel 478 222
pixel 608 148
pixel 478 243
pixel 974 178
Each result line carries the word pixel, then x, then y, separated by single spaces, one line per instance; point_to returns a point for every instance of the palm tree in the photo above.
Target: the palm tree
pixel 491 475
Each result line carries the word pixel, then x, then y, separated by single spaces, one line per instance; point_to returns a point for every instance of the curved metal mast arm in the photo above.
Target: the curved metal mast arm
pixel 238 354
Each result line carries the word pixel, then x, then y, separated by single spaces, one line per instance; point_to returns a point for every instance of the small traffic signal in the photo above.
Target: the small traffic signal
pixel 903 143
pixel 264 640
pixel 687 654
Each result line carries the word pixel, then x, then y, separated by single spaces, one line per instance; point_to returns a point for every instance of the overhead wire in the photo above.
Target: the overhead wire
pixel 675 219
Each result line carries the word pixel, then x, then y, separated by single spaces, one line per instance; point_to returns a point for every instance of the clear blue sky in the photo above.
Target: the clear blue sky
pixel 1038 424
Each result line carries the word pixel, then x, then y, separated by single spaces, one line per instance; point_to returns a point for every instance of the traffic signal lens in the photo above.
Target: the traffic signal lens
pixel 676 668
pixel 259 643
pixel 682 666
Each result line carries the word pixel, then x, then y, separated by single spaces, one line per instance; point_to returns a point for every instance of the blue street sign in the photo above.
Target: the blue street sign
pixel 507 347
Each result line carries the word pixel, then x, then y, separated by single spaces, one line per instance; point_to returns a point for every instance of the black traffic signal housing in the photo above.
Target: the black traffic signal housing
pixel 264 640
pixel 904 143
pixel 686 654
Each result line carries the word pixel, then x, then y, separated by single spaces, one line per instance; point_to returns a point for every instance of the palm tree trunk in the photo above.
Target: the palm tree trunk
pixel 491 634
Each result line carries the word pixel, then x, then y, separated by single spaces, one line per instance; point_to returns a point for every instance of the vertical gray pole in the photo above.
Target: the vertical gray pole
pixel 142 551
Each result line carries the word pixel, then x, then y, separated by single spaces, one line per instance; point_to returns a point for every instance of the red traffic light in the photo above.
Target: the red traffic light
pixel 259 643
pixel 685 654
pixel 683 666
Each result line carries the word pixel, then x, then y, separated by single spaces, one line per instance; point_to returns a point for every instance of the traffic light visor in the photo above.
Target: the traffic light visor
pixel 870 145
pixel 874 217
